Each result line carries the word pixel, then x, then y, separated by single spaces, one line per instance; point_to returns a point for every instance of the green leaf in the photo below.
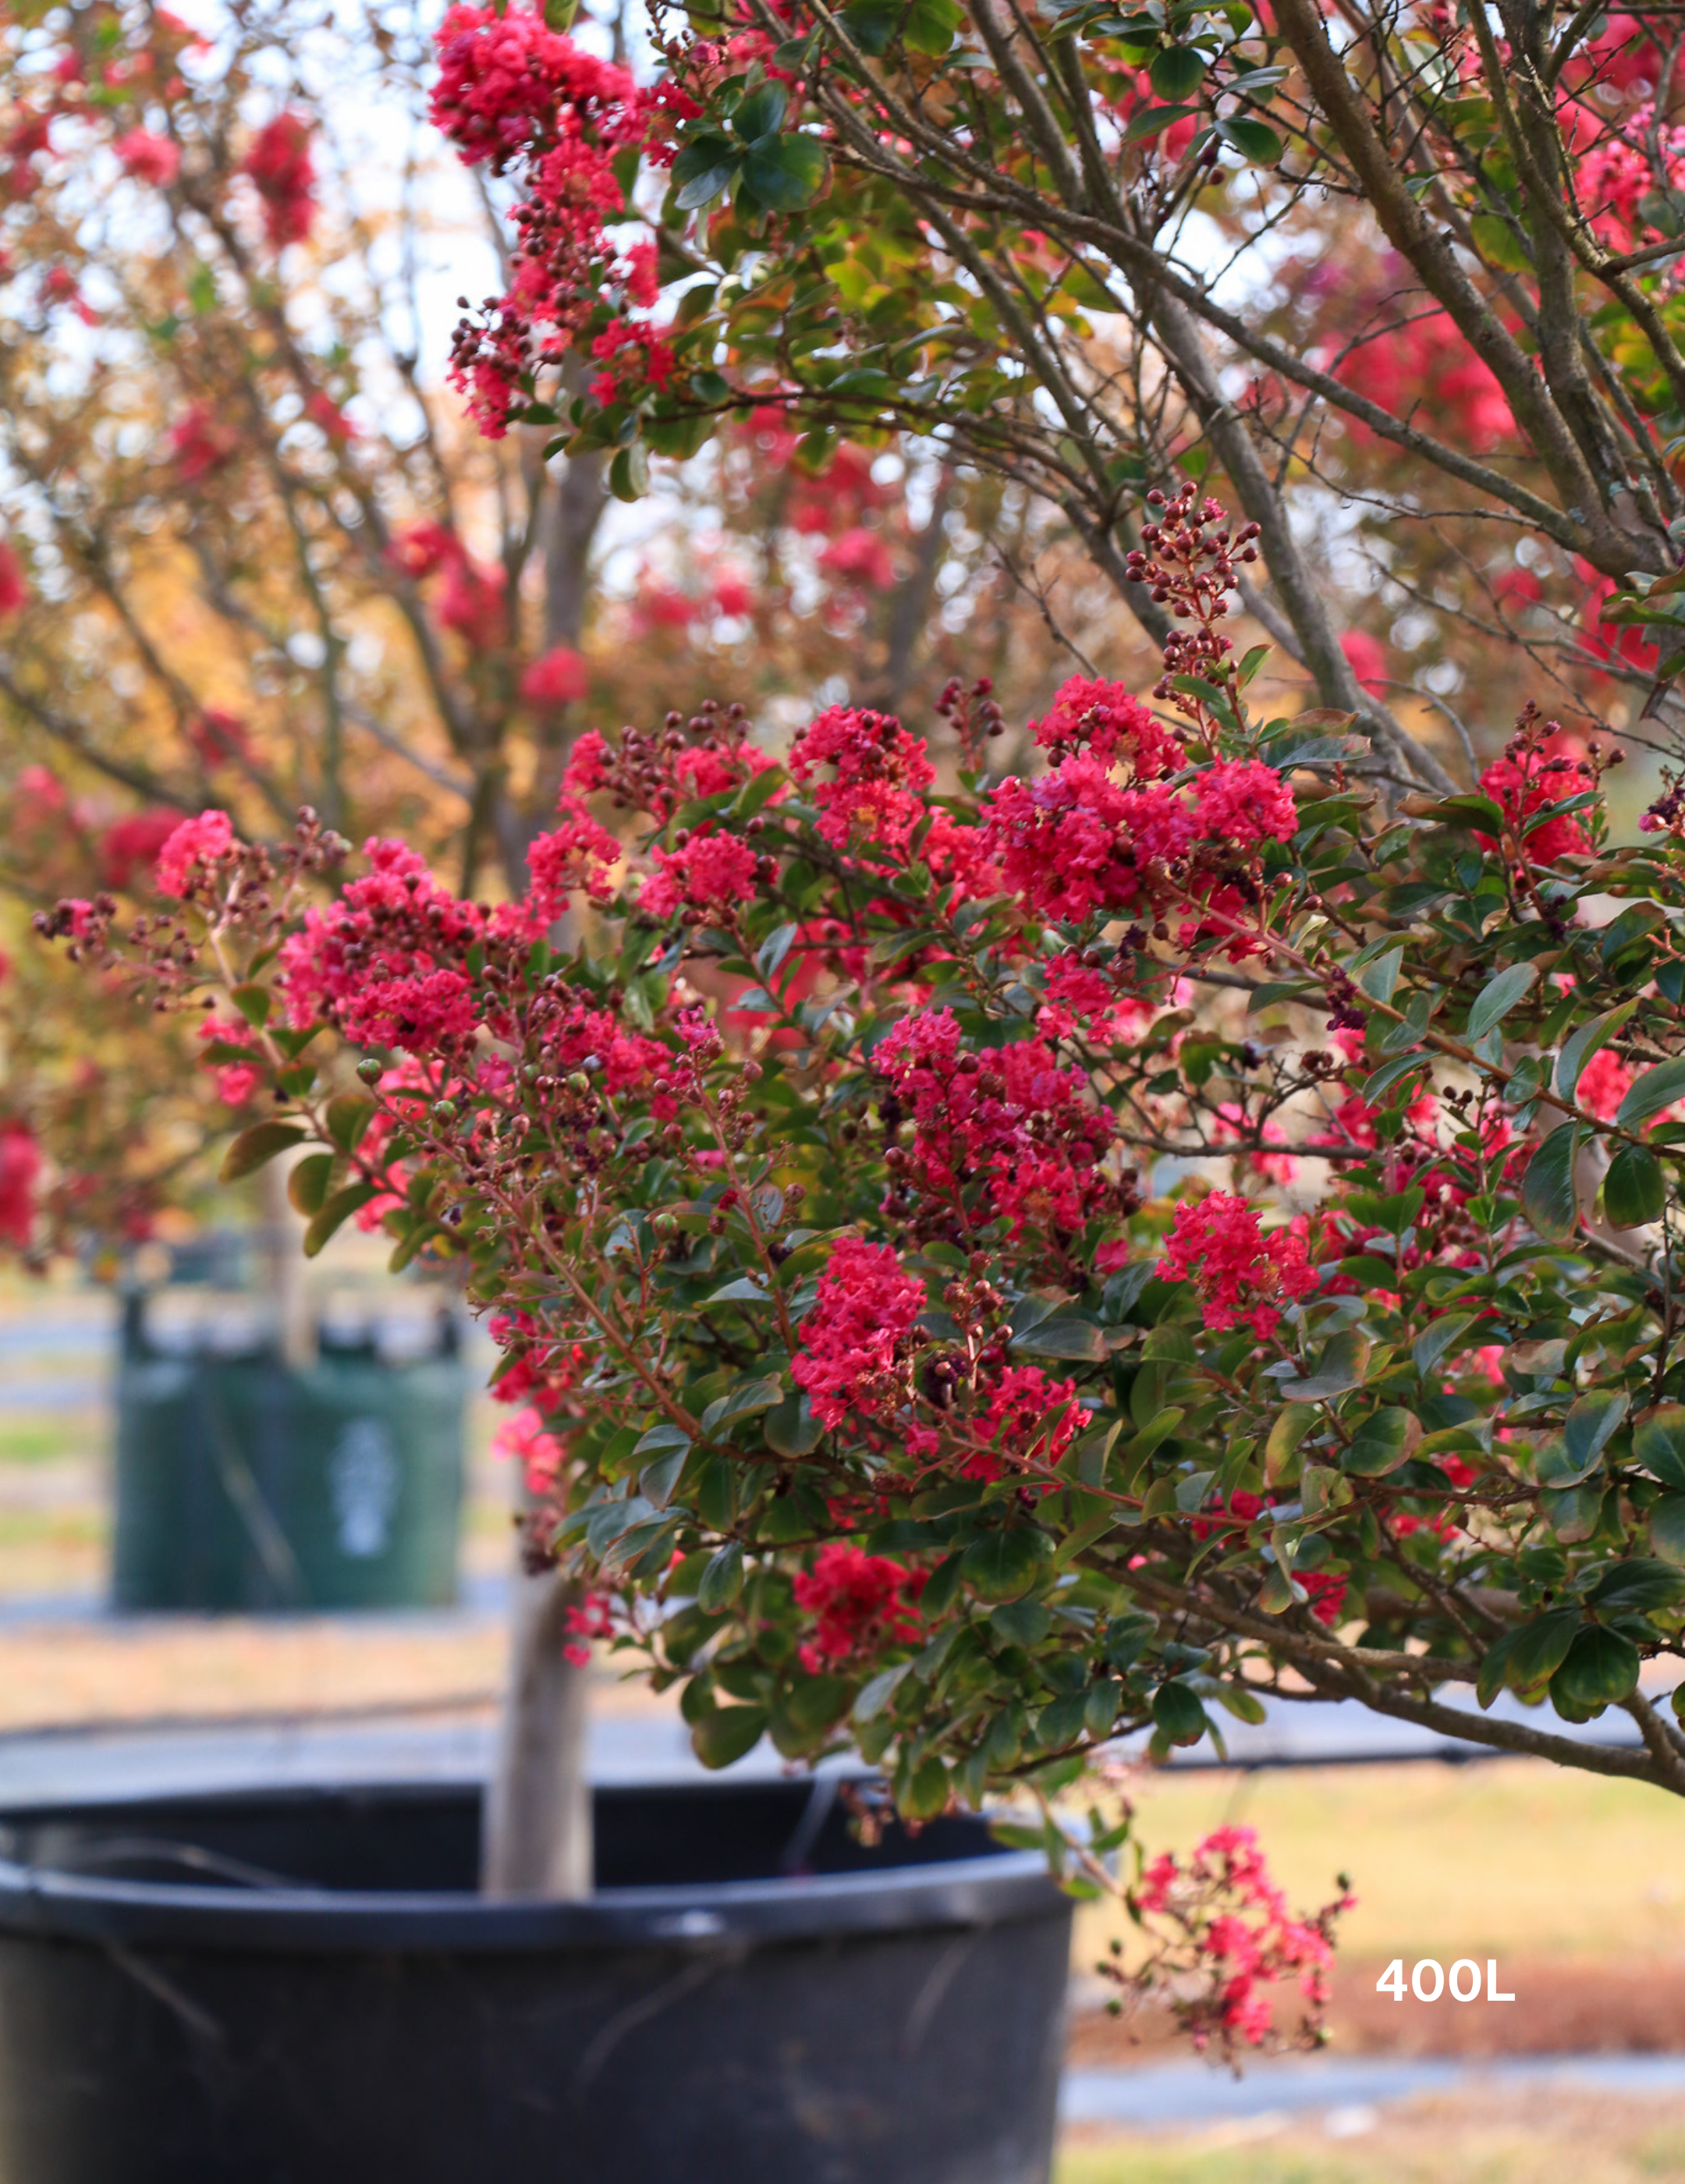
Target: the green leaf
pixel 872 24
pixel 725 1734
pixel 791 1428
pixel 656 1481
pixel 1340 1367
pixel 747 1397
pixel 255 1148
pixel 930 27
pixel 1636 1586
pixel 1587 1429
pixel 1004 1564
pixel 335 1211
pixel 723 1579
pixel 1658 1444
pixel 1255 139
pixel 786 174
pixel 1656 1089
pixel 1381 1443
pixel 1634 1191
pixel 760 113
pixel 1438 1338
pixel 1495 999
pixel 773 949
pixel 1578 1051
pixel 629 481
pixel 660 1438
pixel 253 1000
pixel 1601 1670
pixel 706 166
pixel 1063 1338
pixel 1548 1195
pixel 347 1118
pixel 1063 1722
pixel 307 1183
pixel 1154 120
pixel 877 1694
pixel 1538 1649
pixel 1177 72
pixel 1667 1528
pixel 1177 1711
pixel 1380 978
pixel 1023 1623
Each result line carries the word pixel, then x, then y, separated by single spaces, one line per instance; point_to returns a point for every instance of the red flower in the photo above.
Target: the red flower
pixel 1241 1274
pixel 881 775
pixel 710 872
pixel 281 169
pixel 205 840
pixel 1106 720
pixel 852 1340
pixel 148 158
pixel 14 590
pixel 556 677
pixel 201 442
pixel 860 557
pixel 132 843
pixel 1242 800
pixel 20 1169
pixel 860 1602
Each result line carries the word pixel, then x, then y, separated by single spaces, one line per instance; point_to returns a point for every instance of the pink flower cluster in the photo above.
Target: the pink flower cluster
pixel 524 1437
pixel 195 844
pixel 1081 998
pixel 1533 772
pixel 1243 1936
pixel 710 872
pixel 236 1081
pixel 1241 1275
pixel 853 1342
pixel 1109 722
pixel 1010 1119
pixel 19 1174
pixel 555 678
pixel 861 1603
pixel 380 961
pixel 512 92
pixel 148 158
pixel 880 776
pixel 1029 1419
pixel 284 175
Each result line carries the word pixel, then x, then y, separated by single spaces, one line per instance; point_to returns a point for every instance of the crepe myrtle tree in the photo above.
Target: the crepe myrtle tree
pixel 1403 274
pixel 994 1268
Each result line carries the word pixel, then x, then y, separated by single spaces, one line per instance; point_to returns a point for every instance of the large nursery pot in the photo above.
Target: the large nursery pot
pixel 299 1986
pixel 247 1482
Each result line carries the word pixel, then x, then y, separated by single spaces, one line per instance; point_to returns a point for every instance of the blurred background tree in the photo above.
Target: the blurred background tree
pixel 252 556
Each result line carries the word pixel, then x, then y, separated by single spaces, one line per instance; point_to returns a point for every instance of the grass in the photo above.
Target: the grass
pixel 1465 2141
pixel 1502 1855
pixel 48 1440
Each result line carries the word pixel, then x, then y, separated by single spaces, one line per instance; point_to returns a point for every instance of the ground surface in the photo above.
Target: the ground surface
pixel 1479 2138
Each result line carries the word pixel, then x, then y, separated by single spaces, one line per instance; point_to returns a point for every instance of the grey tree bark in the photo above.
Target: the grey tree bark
pixel 536 1826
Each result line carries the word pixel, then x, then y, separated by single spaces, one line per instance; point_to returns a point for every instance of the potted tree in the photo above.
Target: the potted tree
pixel 888 1389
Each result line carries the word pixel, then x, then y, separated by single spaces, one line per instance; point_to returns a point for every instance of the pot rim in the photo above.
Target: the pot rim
pixel 726 1917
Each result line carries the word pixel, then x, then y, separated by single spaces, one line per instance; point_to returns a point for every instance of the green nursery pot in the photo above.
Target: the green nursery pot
pixel 245 1483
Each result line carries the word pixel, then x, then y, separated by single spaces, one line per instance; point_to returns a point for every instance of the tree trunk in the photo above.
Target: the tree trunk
pixel 536 1831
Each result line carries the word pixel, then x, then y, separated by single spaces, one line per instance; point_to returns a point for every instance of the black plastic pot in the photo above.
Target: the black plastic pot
pixel 298 1987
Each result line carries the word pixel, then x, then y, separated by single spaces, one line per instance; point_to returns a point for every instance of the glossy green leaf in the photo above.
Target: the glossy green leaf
pixel 1634 1191
pixel 1498 996
pixel 1549 1198
pixel 255 1148
pixel 726 1734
